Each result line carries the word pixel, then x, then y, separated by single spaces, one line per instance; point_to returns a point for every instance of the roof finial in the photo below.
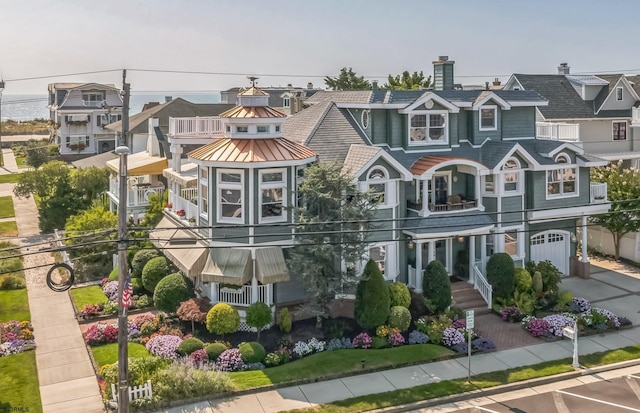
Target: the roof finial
pixel 253 80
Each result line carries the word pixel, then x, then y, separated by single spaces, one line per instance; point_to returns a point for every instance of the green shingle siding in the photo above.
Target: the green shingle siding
pixel 379 126
pixel 512 203
pixel 518 122
pixel 537 192
pixel 478 135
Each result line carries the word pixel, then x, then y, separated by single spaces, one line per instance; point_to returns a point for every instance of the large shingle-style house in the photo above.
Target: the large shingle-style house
pixel 244 176
pixel 79 112
pixel 288 100
pixel 460 173
pixel 599 112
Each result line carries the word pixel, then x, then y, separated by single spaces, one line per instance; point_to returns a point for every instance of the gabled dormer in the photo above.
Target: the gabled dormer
pixel 428 122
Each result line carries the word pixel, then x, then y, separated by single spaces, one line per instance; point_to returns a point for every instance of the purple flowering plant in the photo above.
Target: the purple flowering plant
pixel 538 327
pixel 396 339
pixel 164 346
pixel 110 289
pixel 418 337
pixel 557 322
pixel 511 314
pixel 229 360
pixel 452 336
pixel 579 305
pixel 362 340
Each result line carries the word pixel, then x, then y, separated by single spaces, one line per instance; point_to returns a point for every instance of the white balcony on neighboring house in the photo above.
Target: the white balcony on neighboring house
pixel 186 201
pixel 240 296
pixel 138 195
pixel 569 132
pixel 635 116
pixel 94 103
pixel 195 127
pixel 598 192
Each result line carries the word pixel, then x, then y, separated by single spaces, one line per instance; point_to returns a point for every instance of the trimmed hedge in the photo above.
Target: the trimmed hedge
pixel 154 270
pixel 140 259
pixel 399 317
pixel 436 286
pixel 399 294
pixel 252 352
pixel 171 291
pixel 223 319
pixel 372 298
pixel 501 275
pixel 214 350
pixel 190 345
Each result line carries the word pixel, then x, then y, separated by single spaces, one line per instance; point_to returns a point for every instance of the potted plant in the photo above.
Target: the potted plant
pixel 181 213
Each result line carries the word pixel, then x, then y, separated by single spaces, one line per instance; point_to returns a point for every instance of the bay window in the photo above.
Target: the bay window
pixel 562 181
pixel 428 128
pixel 273 186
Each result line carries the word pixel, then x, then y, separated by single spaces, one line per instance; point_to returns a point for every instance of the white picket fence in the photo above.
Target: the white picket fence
pixel 136 392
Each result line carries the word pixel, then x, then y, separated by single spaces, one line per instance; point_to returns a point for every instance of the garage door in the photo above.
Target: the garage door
pixel 552 246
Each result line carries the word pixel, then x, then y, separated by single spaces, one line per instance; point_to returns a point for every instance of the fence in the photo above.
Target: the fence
pixel 143 391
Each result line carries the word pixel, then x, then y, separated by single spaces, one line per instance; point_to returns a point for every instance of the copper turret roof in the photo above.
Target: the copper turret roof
pixel 252 150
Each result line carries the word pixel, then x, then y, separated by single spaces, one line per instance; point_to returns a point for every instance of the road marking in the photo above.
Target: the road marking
pixel 561 407
pixel 634 386
pixel 600 401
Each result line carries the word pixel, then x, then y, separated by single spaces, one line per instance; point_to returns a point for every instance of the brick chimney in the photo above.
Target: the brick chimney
pixel 496 82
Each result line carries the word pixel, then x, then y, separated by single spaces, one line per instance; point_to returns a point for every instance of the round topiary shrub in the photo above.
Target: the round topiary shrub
pixel 138 288
pixel 171 291
pixel 155 270
pixel 501 275
pixel 140 259
pixel 214 350
pixel 114 274
pixel 252 352
pixel 399 317
pixel 523 280
pixel 190 345
pixel 223 319
pixel 399 294
pixel 372 298
pixel 258 316
pixel 436 287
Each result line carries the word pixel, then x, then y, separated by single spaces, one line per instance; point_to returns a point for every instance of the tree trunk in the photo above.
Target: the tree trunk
pixel 616 245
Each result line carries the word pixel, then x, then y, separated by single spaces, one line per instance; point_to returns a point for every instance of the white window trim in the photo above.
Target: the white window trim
pixel 235 128
pixel 495 117
pixel 286 102
pixel 229 185
pixel 483 184
pixel 621 98
pixel 448 174
pixel 520 253
pixel 365 115
pixel 391 270
pixel 272 185
pixel 561 195
pixel 389 186
pixel 519 185
pixel 626 131
pixel 205 182
pixel 263 126
pixel 426 140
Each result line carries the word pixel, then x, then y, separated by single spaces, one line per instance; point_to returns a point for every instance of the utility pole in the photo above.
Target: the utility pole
pixel 123 270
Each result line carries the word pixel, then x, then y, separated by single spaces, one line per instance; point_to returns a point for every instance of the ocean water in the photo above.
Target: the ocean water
pixel 27 107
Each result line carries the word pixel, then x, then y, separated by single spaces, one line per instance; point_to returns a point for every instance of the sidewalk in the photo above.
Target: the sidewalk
pixel 10 165
pixel 67 380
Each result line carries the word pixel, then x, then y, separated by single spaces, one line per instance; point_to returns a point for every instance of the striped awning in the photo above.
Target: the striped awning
pixel 181 246
pixel 228 266
pixel 140 163
pixel 271 266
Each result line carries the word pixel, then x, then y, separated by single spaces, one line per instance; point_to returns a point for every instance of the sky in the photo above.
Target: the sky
pixel 301 41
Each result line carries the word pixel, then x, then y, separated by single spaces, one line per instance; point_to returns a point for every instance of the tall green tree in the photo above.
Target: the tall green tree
pixel 88 228
pixel 330 234
pixel 61 191
pixel 347 80
pixel 623 190
pixel 407 81
pixel 373 302
pixel 36 153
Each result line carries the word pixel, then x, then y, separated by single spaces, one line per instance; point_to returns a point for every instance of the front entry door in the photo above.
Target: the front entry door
pixel 442 253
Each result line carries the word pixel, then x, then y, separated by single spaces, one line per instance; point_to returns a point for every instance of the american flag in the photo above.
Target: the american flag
pixel 127 292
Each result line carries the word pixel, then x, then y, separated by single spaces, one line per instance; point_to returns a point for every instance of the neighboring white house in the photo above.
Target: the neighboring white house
pixel 78 113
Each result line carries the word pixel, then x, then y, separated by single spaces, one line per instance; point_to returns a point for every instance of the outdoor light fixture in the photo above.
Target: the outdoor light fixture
pixel 410 244
pixel 574 239
pixel 460 238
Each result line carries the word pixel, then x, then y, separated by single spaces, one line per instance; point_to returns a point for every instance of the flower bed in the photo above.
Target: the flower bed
pixel 16 337
pixel 108 306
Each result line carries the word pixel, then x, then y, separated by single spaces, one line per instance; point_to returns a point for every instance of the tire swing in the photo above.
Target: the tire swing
pixel 61 283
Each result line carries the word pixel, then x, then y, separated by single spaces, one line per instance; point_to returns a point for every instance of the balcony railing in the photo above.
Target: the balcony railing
pixel 195 126
pixel 598 192
pixel 558 131
pixel 413 280
pixel 446 207
pixel 94 103
pixel 137 196
pixel 481 284
pixel 242 296
pixel 184 203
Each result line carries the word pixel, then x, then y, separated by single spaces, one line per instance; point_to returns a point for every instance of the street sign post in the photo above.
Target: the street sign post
pixel 470 324
pixel 572 334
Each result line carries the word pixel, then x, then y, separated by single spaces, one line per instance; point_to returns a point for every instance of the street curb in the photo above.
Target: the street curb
pixel 507 387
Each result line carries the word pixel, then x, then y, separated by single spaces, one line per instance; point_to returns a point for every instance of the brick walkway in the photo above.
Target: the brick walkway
pixel 504 335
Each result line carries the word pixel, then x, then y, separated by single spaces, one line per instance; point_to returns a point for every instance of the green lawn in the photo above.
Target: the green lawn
pixel 20 163
pixel 87 295
pixel 8 229
pixel 19 389
pixel 108 353
pixel 14 305
pixel 9 178
pixel 6 207
pixel 329 363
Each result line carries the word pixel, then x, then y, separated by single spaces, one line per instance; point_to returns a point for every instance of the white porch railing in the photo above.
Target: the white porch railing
pixel 481 284
pixel 598 192
pixel 558 131
pixel 195 126
pixel 189 193
pixel 135 196
pixel 242 296
pixel 412 278
pixel 185 204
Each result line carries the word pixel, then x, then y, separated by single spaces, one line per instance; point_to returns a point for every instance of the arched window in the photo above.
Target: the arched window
pixel 377 182
pixel 511 175
pixel 562 181
pixel 364 119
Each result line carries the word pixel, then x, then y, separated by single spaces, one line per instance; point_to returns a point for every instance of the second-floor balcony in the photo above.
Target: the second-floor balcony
pixel 598 192
pixel 198 126
pixel 185 201
pixel 569 132
pixel 453 203
pixel 137 195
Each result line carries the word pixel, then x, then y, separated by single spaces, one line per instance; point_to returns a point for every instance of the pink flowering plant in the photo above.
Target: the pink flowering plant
pixel 229 360
pixel 362 340
pixel 396 339
pixel 101 333
pixel 538 327
pixel 15 337
pixel 164 346
pixel 110 289
pixel 199 357
pixel 511 314
pixel 91 310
